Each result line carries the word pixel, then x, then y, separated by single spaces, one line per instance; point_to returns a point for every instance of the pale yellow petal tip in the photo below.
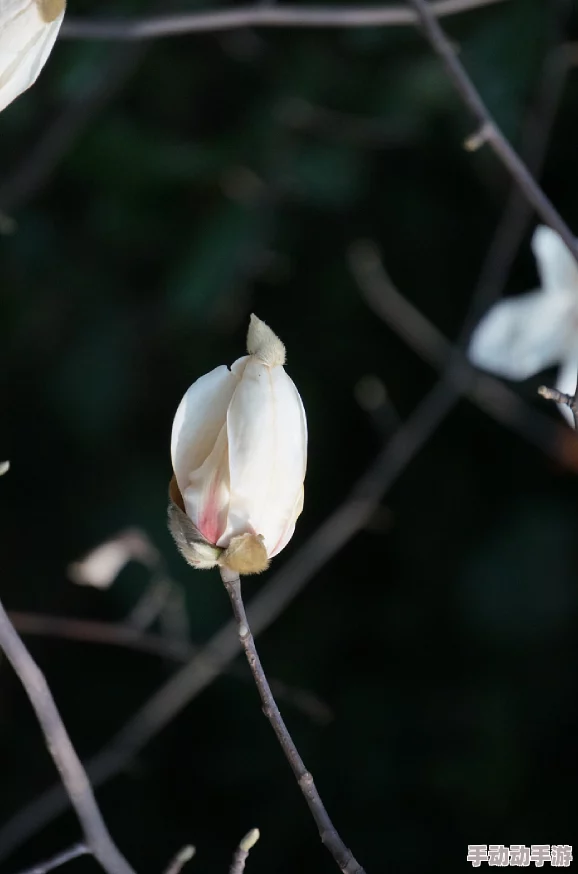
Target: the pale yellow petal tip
pixel 4 467
pixel 49 10
pixel 264 344
pixel 246 554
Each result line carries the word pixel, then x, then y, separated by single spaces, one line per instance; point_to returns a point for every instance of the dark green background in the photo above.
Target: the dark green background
pixel 226 174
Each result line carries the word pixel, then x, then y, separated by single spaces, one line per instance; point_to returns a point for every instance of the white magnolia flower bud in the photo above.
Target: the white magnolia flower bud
pixel 28 31
pixel 239 452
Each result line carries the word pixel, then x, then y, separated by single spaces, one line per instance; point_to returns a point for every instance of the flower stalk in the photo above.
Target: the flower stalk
pixel 327 831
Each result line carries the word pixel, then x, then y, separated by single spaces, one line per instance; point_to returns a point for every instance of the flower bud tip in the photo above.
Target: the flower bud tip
pixel 264 344
pixel 250 840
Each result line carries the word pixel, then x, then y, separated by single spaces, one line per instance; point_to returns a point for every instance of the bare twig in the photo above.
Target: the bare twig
pixel 177 864
pixel 117 634
pixel 489 131
pixel 58 860
pixel 552 394
pixel 63 753
pixel 259 15
pixel 327 831
pixel 339 527
pixel 243 850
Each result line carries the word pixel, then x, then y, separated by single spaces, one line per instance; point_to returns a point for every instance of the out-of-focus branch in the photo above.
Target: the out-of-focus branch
pixel 58 860
pixel 73 775
pixel 116 634
pixel 259 15
pixel 329 835
pixel 487 392
pixel 243 850
pixel 489 131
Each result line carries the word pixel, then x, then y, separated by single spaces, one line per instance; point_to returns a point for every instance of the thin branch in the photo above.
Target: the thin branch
pixel 283 587
pixel 177 864
pixel 243 850
pixel 58 860
pixel 64 755
pixel 489 131
pixel 117 634
pixel 259 15
pixel 327 831
pixel 552 394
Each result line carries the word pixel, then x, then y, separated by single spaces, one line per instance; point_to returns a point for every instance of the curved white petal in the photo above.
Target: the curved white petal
pixel 522 335
pixel 267 435
pixel 201 415
pixel 206 498
pixel 566 382
pixel 26 40
pixel 556 265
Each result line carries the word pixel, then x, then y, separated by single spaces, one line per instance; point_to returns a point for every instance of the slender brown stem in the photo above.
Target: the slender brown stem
pixel 58 860
pixel 60 747
pixel 327 831
pixel 258 15
pixel 489 131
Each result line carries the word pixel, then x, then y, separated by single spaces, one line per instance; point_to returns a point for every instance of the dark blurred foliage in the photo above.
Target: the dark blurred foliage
pixel 229 173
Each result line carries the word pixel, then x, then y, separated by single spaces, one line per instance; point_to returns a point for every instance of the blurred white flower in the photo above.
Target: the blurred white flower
pixel 101 566
pixel 521 336
pixel 239 452
pixel 28 31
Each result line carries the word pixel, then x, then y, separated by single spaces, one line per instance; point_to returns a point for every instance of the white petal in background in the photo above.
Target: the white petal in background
pixel 28 31
pixel 556 265
pixel 521 336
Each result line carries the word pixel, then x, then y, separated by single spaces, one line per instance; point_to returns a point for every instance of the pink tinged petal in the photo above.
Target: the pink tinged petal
pixel 566 382
pixel 556 265
pixel 206 498
pixel 199 419
pixel 523 335
pixel 267 435
pixel 26 40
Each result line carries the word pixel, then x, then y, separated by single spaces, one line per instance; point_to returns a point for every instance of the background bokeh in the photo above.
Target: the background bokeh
pixel 151 197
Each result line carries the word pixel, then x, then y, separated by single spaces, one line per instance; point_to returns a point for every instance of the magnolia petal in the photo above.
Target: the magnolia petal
pixel 192 546
pixel 290 529
pixel 26 39
pixel 267 436
pixel 522 335
pixel 206 498
pixel 199 419
pixel 556 265
pixel 566 383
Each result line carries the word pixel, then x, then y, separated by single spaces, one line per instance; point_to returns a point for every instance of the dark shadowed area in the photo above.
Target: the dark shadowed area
pixel 154 194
